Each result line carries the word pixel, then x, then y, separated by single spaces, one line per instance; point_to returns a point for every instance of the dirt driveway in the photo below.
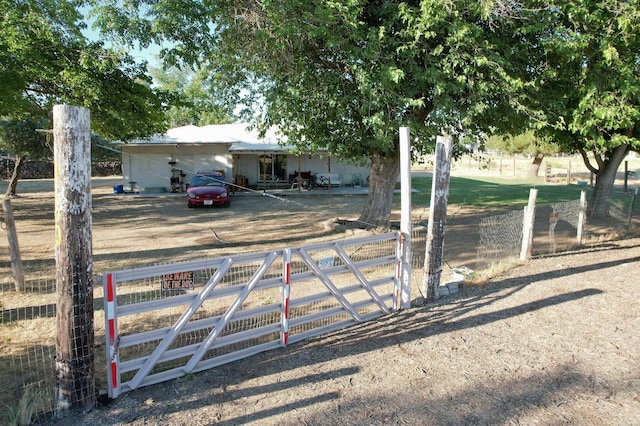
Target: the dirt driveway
pixel 553 341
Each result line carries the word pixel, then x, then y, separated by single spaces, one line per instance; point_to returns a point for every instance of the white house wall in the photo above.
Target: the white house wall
pixel 322 165
pixel 247 165
pixel 148 165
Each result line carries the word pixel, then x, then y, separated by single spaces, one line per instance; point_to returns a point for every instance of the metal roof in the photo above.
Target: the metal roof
pixel 238 137
pixel 238 134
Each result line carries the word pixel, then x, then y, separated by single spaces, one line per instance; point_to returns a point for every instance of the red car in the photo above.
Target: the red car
pixel 208 189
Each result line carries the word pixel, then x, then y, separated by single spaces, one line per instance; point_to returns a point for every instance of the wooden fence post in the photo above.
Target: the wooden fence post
pixel 527 226
pixel 14 247
pixel 626 175
pixel 547 173
pixel 75 382
pixel 633 201
pixel 437 219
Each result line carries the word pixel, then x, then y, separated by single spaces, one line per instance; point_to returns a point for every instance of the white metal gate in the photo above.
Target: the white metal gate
pixel 163 322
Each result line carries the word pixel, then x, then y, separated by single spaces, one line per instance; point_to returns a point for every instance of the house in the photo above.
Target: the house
pixel 166 163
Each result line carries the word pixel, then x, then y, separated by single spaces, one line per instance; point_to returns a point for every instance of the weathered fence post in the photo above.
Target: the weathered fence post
pixel 633 201
pixel 75 382
pixel 527 226
pixel 626 175
pixel 547 173
pixel 405 216
pixel 14 247
pixel 437 218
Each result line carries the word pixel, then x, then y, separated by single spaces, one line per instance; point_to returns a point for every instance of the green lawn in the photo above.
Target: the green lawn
pixel 496 192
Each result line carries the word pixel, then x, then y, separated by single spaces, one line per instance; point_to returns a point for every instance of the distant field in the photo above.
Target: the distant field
pixel 504 181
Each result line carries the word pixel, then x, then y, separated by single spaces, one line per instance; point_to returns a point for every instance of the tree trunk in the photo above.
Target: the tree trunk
pixel 605 179
pixel 17 172
pixel 382 181
pixel 535 166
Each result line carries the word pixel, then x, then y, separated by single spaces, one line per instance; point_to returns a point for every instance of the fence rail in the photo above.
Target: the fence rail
pixel 163 322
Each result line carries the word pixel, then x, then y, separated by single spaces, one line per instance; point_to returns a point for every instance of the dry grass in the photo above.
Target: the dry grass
pixel 34 400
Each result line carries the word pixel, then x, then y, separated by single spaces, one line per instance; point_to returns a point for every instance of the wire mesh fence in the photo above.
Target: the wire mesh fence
pixel 28 346
pixel 557 229
pixel 28 329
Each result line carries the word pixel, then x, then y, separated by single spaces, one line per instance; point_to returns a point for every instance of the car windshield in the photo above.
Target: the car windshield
pixel 207 180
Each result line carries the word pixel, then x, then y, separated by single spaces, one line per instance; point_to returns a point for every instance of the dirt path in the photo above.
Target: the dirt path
pixel 554 341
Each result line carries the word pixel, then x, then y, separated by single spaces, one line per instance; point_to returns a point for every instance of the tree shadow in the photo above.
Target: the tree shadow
pixel 481 404
pixel 388 331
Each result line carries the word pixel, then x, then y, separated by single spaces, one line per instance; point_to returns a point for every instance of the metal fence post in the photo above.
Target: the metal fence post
pixel 405 217
pixel 286 291
pixel 527 226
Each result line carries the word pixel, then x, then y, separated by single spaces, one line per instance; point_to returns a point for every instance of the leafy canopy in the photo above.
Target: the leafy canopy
pixel 343 75
pixel 45 59
pixel 589 76
pixel 23 137
pixel 196 101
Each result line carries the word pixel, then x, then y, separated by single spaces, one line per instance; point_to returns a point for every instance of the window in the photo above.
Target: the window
pixel 273 166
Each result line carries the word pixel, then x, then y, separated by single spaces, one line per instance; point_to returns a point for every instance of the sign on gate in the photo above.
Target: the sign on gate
pixel 178 281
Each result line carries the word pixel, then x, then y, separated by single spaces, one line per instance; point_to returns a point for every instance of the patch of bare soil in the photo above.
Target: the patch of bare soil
pixel 552 341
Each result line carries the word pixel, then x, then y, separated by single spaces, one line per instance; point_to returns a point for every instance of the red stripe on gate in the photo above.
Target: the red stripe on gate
pixel 109 287
pixel 286 291
pixel 114 375
pixel 287 279
pixel 112 329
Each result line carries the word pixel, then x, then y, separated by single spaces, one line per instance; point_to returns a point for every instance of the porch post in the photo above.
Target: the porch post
pixel 329 172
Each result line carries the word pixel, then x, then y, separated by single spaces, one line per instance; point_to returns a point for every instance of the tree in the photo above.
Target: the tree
pixel 588 97
pixel 22 138
pixel 528 143
pixel 195 100
pixel 45 59
pixel 346 75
